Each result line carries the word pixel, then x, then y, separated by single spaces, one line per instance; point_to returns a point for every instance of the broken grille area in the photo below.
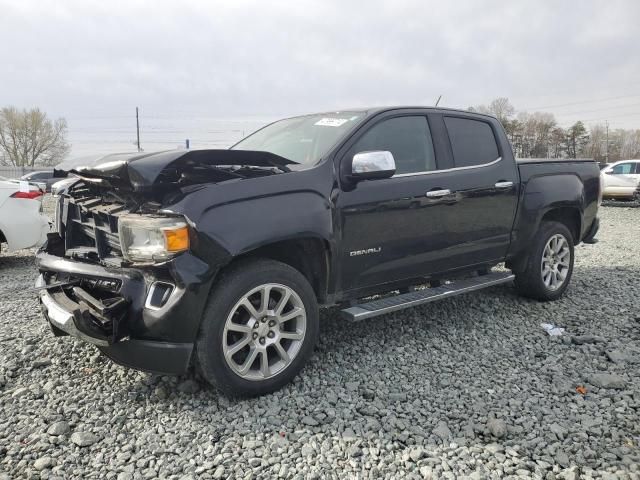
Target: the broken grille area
pixel 91 229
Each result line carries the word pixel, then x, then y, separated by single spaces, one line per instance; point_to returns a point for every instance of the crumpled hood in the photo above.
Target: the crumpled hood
pixel 140 172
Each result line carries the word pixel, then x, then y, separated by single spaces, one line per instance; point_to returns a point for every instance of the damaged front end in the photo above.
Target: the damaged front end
pixel 137 295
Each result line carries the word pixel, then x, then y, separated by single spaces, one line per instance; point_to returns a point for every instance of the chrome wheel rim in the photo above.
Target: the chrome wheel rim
pixel 264 331
pixel 556 261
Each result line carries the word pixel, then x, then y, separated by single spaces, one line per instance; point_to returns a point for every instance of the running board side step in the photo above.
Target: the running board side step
pixel 420 297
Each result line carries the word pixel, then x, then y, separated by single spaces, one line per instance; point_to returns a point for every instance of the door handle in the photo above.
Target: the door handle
pixel 504 185
pixel 438 193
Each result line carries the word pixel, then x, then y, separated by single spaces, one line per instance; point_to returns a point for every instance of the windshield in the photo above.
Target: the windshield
pixel 301 139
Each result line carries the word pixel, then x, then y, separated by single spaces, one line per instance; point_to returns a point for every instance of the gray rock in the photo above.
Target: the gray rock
pixel 354 451
pixel 622 356
pixel 59 428
pixel 84 439
pixel 41 362
pixel 497 427
pixel 219 472
pixel 20 392
pixel 352 386
pixel 397 397
pixel 307 450
pixel 161 392
pixel 494 448
pixel 559 431
pixel 349 435
pixel 43 463
pixel 586 339
pixel 442 431
pixel 607 380
pixel 310 421
pixel 189 386
pixel 562 459
pixel 416 454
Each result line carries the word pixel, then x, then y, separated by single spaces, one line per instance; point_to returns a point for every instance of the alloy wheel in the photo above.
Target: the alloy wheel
pixel 556 262
pixel 264 331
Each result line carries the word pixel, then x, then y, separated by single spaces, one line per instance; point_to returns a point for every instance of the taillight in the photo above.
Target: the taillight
pixel 31 194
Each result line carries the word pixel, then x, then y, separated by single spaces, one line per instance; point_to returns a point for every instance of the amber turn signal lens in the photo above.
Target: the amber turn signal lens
pixel 177 240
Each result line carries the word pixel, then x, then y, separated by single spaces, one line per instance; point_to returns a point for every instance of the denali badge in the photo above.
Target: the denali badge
pixel 367 251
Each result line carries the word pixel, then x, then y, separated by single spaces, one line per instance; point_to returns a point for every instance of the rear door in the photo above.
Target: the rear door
pixel 485 182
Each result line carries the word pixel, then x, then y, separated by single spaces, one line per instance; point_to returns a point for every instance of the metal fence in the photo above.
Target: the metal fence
pixel 9 171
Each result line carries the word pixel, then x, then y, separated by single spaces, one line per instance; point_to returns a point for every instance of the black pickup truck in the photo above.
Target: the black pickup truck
pixel 221 258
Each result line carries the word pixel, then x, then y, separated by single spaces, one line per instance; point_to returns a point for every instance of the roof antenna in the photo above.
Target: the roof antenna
pixel 438 101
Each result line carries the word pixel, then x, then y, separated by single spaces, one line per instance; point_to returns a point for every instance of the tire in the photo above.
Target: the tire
pixel 530 281
pixel 236 324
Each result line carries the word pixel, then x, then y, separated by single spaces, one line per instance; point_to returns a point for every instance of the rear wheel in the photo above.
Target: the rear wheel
pixel 549 265
pixel 259 328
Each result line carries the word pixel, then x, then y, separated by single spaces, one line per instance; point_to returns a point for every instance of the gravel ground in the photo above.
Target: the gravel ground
pixel 469 387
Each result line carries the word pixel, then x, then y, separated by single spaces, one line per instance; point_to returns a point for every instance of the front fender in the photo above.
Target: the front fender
pixel 245 225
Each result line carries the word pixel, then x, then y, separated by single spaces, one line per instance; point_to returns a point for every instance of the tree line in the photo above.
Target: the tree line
pixel 538 135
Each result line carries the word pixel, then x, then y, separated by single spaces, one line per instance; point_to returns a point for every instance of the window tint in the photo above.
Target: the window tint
pixel 407 138
pixel 623 169
pixel 472 141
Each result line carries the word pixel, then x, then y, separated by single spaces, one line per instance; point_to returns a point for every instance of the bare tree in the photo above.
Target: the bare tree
pixel 502 109
pixel 29 138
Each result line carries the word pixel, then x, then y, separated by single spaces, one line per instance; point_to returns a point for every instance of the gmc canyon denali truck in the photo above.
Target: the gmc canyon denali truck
pixel 222 258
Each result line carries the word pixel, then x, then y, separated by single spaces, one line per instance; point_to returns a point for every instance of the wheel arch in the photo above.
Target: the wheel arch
pixel 310 255
pixel 569 217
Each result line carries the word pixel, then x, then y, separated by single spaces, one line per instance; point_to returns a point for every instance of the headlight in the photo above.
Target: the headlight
pixel 145 239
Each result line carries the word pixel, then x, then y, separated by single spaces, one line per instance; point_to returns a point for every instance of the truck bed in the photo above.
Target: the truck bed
pixel 553 160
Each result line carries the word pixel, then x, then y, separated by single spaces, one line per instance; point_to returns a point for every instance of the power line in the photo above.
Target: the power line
pixel 560 105
pixel 565 114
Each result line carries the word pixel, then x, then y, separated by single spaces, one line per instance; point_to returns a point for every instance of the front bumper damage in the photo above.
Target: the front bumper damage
pixel 145 319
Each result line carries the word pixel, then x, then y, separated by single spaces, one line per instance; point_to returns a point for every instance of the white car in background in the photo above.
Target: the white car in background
pixel 22 223
pixel 621 179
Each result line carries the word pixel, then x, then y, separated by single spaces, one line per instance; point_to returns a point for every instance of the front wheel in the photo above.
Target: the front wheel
pixel 259 328
pixel 549 265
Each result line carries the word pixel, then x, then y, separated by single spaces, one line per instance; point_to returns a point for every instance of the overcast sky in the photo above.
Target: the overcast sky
pixel 99 59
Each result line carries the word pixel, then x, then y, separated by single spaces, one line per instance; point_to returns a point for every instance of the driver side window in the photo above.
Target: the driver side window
pixel 407 138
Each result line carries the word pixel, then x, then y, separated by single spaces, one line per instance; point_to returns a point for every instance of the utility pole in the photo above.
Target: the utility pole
pixel 606 149
pixel 138 130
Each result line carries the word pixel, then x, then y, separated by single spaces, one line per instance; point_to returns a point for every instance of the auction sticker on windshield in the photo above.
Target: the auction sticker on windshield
pixel 331 122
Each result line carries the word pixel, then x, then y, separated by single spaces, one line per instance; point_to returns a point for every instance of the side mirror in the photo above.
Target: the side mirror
pixel 372 165
pixel 608 171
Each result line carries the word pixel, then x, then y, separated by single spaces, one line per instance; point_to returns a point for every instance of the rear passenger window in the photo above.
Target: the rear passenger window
pixel 472 141
pixel 407 138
